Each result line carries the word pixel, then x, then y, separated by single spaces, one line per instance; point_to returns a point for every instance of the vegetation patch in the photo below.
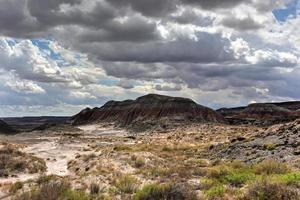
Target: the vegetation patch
pixel 165 191
pixel 13 161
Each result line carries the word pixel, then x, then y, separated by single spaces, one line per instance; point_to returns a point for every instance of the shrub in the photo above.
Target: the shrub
pixel 127 184
pixel 215 192
pixel 46 179
pixel 269 167
pixel 122 148
pixel 265 190
pixel 12 161
pixel 167 149
pixel 166 191
pixel 218 172
pixel 95 189
pixel 290 179
pixel 202 163
pixel 15 187
pixel 206 184
pixel 53 190
pixel 270 146
pixel 74 195
pixel 238 179
pixel 139 163
pixel 47 191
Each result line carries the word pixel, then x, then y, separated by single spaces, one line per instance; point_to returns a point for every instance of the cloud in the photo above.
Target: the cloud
pixel 168 87
pixel 126 84
pixel 247 23
pixel 23 86
pixel 78 52
pixel 215 4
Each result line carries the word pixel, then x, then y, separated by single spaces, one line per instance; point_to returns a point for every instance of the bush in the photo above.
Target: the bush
pixel 15 187
pixel 264 190
pixel 74 195
pixel 127 184
pixel 53 190
pixel 139 162
pixel 218 172
pixel 238 179
pixel 215 192
pixel 292 179
pixel 270 146
pixel 95 189
pixel 206 184
pixel 47 191
pixel 269 167
pixel 14 161
pixel 166 191
pixel 46 179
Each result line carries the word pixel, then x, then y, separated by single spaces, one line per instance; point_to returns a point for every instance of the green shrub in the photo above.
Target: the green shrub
pixel 206 184
pixel 215 192
pixel 127 184
pixel 53 190
pixel 218 172
pixel 166 191
pixel 290 179
pixel 74 195
pixel 239 179
pixel 269 167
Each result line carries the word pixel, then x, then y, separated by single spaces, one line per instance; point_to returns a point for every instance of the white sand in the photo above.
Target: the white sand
pixel 55 153
pixel 98 130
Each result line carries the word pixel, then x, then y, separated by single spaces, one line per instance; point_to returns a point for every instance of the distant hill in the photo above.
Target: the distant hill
pixel 33 123
pixel 6 129
pixel 148 111
pixel 262 113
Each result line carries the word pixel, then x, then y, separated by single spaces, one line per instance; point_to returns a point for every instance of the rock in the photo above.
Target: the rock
pixel 279 142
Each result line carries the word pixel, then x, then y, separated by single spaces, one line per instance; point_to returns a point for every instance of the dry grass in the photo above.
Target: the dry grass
pixel 14 161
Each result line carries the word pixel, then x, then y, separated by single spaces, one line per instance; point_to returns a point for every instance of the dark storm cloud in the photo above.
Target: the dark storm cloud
pixel 215 4
pixel 241 24
pixel 207 48
pixel 38 18
pixel 153 8
pixel 136 29
pixel 51 14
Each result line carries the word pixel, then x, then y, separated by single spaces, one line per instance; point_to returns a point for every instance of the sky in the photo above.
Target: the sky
pixel 59 56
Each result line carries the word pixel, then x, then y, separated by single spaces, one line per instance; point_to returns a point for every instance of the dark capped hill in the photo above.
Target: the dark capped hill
pixel 150 109
pixel 6 129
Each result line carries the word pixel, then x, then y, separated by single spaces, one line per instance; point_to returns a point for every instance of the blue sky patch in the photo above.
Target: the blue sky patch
pixel 290 11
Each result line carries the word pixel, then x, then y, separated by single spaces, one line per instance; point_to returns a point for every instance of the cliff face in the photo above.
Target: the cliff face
pixel 150 108
pixel 5 128
pixel 262 113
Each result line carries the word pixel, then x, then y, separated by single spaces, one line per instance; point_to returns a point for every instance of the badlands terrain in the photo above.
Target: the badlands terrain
pixel 154 147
